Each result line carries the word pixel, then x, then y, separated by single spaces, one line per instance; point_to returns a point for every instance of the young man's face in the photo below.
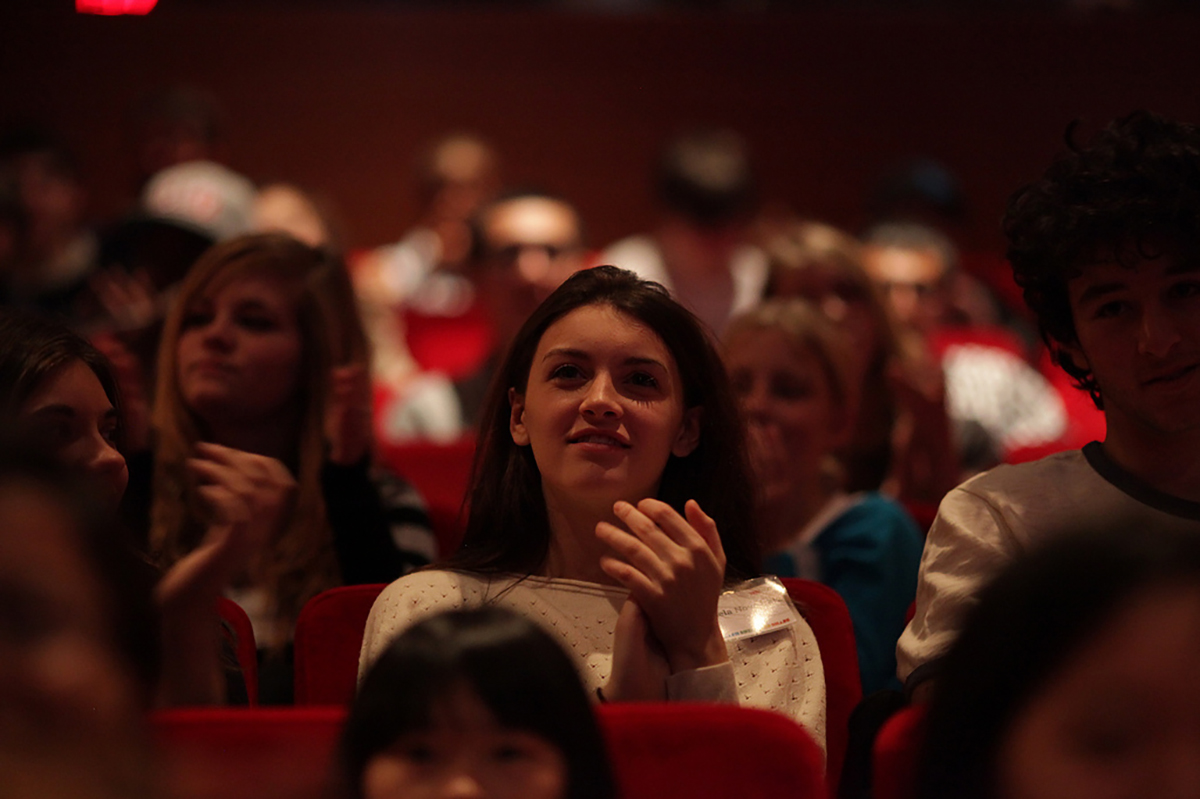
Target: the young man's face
pixel 1138 330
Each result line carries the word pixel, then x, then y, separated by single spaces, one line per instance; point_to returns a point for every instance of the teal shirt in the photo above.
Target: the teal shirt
pixel 869 554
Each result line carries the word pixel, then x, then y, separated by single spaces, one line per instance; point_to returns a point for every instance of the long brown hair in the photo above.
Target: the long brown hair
pixel 507 528
pixel 302 561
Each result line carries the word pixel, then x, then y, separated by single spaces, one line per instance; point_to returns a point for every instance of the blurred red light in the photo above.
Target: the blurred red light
pixel 114 7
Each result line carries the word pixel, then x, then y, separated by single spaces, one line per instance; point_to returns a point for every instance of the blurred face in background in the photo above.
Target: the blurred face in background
pixel 1121 716
pixel 913 282
pixel 845 300
pixel 530 246
pixel 793 417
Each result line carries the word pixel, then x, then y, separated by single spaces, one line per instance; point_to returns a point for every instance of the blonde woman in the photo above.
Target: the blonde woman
pixel 262 410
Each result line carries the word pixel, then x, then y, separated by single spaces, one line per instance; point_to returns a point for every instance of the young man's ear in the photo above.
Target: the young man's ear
pixel 688 437
pixel 516 418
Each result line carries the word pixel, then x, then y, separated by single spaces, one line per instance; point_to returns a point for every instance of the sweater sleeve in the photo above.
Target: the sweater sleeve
pixel 967 544
pixel 380 527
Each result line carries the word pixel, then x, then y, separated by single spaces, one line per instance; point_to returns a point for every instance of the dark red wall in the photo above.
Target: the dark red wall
pixel 340 99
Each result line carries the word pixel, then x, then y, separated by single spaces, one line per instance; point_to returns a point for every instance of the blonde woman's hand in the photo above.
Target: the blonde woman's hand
pixel 251 497
pixel 348 415
pixel 674 568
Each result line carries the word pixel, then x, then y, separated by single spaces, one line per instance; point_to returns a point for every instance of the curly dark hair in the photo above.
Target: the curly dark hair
pixel 1131 193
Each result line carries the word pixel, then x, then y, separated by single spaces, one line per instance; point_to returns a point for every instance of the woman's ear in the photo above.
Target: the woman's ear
pixel 688 437
pixel 516 418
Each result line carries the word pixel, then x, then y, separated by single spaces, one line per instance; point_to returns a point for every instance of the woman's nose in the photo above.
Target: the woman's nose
pixel 218 334
pixel 462 785
pixel 601 398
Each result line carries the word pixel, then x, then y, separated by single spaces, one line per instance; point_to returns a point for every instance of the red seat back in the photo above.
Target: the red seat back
pixel 896 753
pixel 719 751
pixel 441 473
pixel 243 640
pixel 247 753
pixel 329 635
pixel 829 618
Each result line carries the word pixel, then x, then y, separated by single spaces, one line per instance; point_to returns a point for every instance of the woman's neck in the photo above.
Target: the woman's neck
pixel 574 549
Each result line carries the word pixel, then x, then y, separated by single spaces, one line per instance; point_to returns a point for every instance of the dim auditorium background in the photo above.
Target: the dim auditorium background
pixel 339 97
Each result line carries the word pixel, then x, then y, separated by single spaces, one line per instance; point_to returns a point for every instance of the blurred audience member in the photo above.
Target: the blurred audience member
pixel 998 402
pixel 792 372
pixel 263 416
pixel 78 641
pixel 175 125
pixel 53 252
pixel 526 243
pixel 900 438
pixel 700 250
pixel 1075 675
pixel 474 703
pixel 285 208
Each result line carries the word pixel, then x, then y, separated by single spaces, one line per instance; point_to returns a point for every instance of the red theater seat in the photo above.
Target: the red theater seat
pixel 329 636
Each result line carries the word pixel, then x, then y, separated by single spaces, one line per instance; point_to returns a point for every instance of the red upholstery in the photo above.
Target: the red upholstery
pixel 826 613
pixel 441 473
pixel 895 755
pixel 658 750
pixel 247 651
pixel 719 751
pixel 329 635
pixel 247 753
pixel 457 346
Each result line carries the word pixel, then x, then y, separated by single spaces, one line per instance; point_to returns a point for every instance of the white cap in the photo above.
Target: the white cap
pixel 202 195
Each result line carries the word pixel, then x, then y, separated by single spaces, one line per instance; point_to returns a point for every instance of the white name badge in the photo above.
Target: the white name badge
pixel 757 606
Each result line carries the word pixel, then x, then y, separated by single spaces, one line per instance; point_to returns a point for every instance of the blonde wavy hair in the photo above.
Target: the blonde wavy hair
pixel 302 560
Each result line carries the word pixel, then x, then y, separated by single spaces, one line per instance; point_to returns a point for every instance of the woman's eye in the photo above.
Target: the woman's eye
pixel 509 753
pixel 1109 310
pixel 1185 289
pixel 418 753
pixel 567 371
pixel 110 430
pixel 643 380
pixel 257 323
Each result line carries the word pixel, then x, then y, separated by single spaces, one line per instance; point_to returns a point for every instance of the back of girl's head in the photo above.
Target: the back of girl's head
pixel 507 528
pixel 523 677
pixel 1029 621
pixel 34 347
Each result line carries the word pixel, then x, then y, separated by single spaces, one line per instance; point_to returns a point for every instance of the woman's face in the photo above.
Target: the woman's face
pixel 602 409
pixel 240 352
pixel 842 298
pixel 793 418
pixel 1121 717
pixel 69 413
pixel 467 753
pixel 69 712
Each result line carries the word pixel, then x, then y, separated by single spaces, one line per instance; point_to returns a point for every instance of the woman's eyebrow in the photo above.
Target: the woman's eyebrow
pixel 56 409
pixel 642 360
pixel 566 352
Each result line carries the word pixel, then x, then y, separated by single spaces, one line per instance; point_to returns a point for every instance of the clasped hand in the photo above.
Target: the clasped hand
pixel 674 568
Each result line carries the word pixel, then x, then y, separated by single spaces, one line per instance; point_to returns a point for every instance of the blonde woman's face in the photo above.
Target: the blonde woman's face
pixel 793 419
pixel 467 753
pixel 240 352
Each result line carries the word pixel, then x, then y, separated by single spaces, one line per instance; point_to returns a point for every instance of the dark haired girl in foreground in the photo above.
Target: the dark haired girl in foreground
pixel 474 702
pixel 608 427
